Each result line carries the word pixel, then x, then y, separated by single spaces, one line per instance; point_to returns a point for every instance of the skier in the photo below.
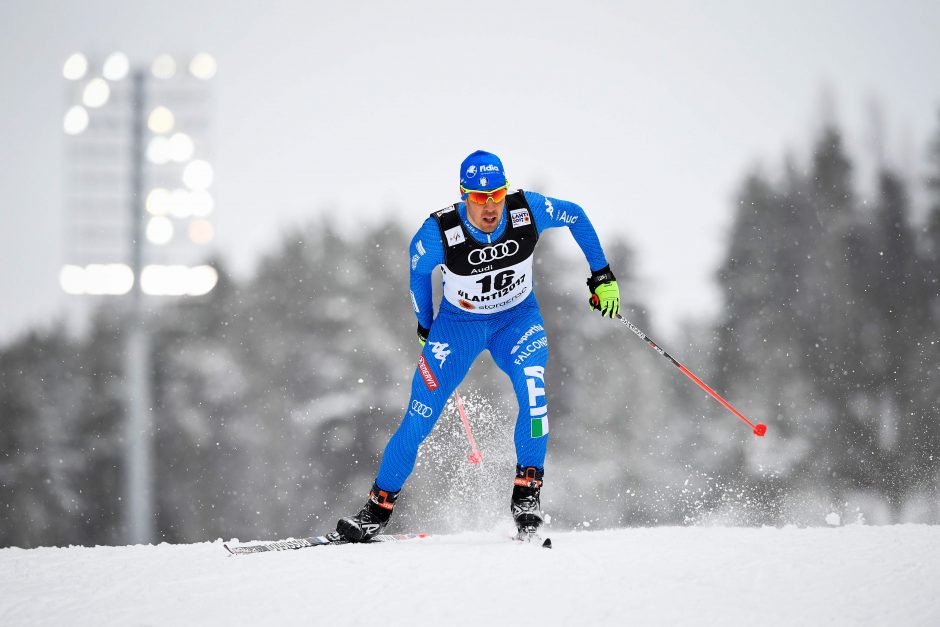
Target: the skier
pixel 485 245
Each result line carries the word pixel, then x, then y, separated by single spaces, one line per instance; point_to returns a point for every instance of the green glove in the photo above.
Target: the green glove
pixel 423 335
pixel 605 295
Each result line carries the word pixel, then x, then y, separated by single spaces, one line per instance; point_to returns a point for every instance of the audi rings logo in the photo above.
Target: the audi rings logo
pixel 492 253
pixel 421 409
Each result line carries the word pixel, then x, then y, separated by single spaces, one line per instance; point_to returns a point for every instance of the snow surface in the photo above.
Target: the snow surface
pixel 852 575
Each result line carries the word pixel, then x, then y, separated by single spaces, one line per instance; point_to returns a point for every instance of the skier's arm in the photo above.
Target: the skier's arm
pixel 553 212
pixel 425 253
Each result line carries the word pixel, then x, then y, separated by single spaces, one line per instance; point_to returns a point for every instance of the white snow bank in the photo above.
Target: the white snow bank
pixel 851 575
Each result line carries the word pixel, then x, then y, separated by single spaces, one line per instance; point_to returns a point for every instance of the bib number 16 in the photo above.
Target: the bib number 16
pixel 500 281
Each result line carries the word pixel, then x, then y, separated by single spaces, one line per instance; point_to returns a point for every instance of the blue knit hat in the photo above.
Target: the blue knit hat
pixel 482 171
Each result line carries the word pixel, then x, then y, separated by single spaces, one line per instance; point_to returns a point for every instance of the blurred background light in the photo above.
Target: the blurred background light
pixel 163 67
pixel 75 120
pixel 159 230
pixel 178 280
pixel 116 66
pixel 72 279
pixel 203 66
pixel 158 201
pixel 181 147
pixel 201 231
pixel 75 67
pixel 158 150
pixel 179 203
pixel 99 279
pixel 161 120
pixel 201 203
pixel 198 175
pixel 96 93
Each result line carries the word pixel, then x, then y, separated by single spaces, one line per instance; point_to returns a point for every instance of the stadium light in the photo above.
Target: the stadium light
pixel 148 122
pixel 201 231
pixel 76 120
pixel 198 175
pixel 163 67
pixel 159 230
pixel 203 66
pixel 181 147
pixel 116 67
pixel 75 67
pixel 96 93
pixel 161 120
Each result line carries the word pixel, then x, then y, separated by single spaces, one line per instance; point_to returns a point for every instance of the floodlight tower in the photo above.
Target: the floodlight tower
pixel 138 183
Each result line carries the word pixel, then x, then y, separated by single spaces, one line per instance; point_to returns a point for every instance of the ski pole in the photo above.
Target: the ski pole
pixel 759 429
pixel 475 455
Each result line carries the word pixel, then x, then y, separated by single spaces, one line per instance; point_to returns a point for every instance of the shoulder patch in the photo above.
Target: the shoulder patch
pixel 454 236
pixel 520 217
pixel 444 210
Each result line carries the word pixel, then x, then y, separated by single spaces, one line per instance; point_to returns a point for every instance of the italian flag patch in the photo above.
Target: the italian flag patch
pixel 539 427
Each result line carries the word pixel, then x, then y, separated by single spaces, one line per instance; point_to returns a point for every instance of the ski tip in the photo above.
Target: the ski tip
pixel 230 551
pixel 547 544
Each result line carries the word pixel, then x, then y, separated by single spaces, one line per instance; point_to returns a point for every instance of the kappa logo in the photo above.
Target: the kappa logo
pixel 421 409
pixel 549 208
pixel 426 374
pixel 492 253
pixel 440 351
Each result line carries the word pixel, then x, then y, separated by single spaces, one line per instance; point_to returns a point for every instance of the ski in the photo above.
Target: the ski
pixel 330 539
pixel 531 536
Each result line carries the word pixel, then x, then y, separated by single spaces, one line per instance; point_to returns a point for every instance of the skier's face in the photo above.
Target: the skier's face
pixel 485 217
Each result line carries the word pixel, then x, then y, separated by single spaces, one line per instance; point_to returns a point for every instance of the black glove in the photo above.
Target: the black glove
pixel 605 295
pixel 423 334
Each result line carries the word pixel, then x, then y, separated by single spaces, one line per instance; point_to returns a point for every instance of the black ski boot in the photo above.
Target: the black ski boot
pixel 526 508
pixel 371 519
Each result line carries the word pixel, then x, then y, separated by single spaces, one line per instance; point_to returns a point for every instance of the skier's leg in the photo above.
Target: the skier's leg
pixel 451 348
pixel 520 349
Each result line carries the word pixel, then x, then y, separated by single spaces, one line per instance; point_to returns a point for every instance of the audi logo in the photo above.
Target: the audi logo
pixel 421 409
pixel 492 253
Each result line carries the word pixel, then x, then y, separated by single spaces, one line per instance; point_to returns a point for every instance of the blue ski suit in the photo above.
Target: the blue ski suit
pixel 514 332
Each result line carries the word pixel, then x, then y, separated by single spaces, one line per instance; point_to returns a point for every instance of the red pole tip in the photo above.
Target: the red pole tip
pixel 760 430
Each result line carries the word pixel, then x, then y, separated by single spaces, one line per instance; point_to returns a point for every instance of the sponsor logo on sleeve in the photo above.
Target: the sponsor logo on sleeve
pixel 549 208
pixel 420 247
pixel 427 375
pixel 414 262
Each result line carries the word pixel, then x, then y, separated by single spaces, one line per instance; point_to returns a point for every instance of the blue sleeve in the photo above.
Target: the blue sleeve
pixel 426 252
pixel 552 212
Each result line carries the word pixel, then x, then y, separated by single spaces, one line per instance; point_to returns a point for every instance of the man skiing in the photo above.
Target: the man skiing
pixel 485 244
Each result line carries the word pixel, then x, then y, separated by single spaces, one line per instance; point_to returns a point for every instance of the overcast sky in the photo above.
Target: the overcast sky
pixel 646 114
